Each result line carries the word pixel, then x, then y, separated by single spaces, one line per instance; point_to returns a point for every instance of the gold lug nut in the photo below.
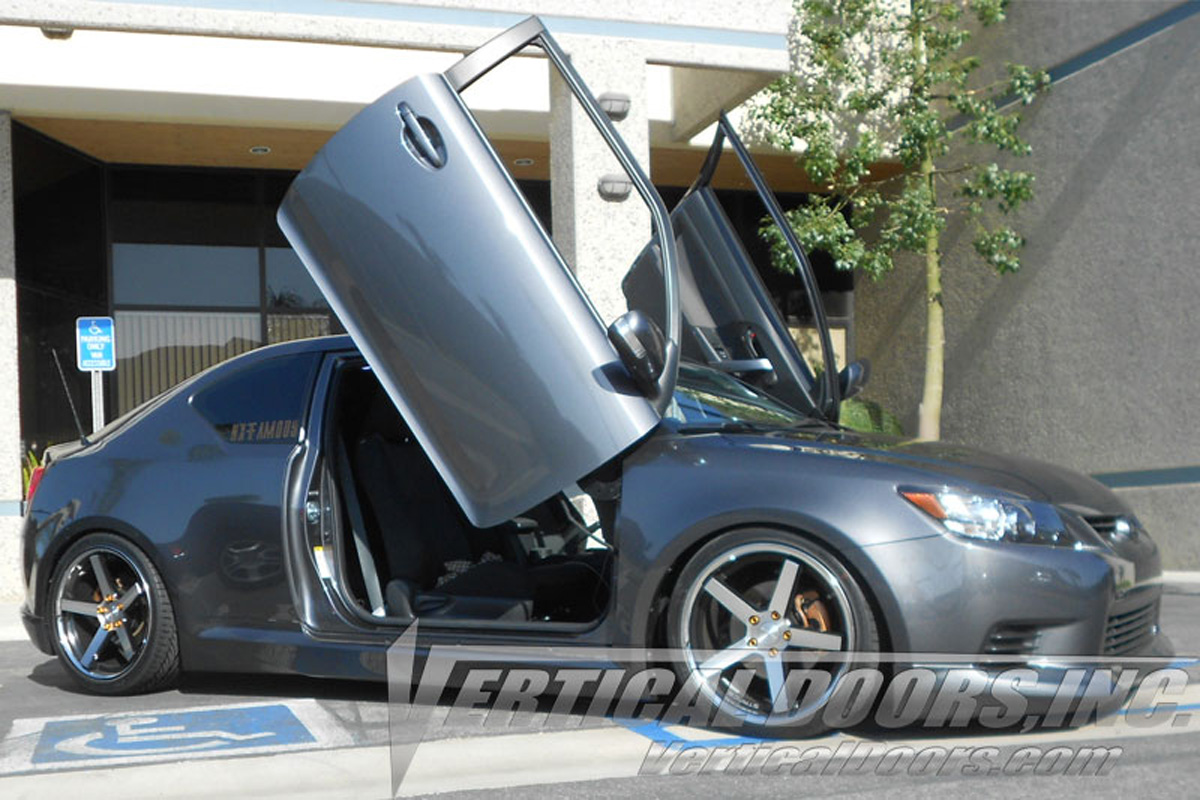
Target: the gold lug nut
pixel 102 610
pixel 754 620
pixel 774 652
pixel 754 642
pixel 787 636
pixel 775 615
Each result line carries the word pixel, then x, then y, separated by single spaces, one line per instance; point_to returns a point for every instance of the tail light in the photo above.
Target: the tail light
pixel 34 479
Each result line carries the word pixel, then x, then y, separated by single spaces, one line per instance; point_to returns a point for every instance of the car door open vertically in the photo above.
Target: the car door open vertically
pixel 730 320
pixel 423 244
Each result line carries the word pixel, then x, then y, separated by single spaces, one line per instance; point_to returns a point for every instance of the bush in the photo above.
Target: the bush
pixel 28 465
pixel 869 417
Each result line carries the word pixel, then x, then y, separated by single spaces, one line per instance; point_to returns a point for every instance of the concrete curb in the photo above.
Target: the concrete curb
pixel 11 584
pixel 11 629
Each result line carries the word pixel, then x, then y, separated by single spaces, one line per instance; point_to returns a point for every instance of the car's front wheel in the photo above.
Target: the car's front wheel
pixel 111 619
pixel 759 619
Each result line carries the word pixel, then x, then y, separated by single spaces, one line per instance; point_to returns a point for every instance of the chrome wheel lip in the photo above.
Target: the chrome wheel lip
pixel 69 638
pixel 808 562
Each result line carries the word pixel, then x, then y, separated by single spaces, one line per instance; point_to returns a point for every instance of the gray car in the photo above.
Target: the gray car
pixel 798 533
pixel 486 455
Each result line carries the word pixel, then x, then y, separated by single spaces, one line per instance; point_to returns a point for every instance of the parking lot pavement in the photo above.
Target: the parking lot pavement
pixel 244 735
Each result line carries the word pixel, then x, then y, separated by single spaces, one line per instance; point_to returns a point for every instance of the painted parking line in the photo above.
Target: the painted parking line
pixel 455 764
pixel 80 742
pixel 621 751
pixel 449 764
pixel 488 763
pixel 347 774
pixel 682 734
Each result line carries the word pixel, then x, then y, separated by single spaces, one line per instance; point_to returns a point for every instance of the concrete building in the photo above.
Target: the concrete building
pixel 1087 356
pixel 144 145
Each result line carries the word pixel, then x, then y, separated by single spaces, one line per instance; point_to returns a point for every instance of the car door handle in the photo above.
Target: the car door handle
pixel 744 365
pixel 417 139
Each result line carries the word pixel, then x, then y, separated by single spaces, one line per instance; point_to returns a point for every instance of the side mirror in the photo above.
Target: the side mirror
pixel 853 378
pixel 642 348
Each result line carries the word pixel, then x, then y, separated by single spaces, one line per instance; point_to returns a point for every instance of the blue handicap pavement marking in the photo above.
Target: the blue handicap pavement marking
pixel 677 734
pixel 220 729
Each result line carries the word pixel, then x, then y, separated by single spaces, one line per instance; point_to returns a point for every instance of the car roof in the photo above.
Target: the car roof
pixel 316 344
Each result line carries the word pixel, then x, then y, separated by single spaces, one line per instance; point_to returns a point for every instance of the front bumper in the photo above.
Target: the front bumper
pixel 1035 693
pixel 962 597
pixel 979 616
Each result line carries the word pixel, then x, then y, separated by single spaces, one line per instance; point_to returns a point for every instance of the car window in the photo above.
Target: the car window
pixel 261 404
pixel 705 396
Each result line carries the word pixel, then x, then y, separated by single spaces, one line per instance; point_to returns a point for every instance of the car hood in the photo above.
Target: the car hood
pixel 1027 477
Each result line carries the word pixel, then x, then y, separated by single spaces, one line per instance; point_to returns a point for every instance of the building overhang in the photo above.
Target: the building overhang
pixel 181 83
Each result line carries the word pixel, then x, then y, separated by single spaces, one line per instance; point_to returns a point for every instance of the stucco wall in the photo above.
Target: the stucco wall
pixel 10 434
pixel 1087 357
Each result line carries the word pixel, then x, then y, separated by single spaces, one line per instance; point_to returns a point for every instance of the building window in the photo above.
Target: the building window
pixel 184 275
pixel 61 244
pixel 201 273
pixel 158 349
pixel 194 269
pixel 289 286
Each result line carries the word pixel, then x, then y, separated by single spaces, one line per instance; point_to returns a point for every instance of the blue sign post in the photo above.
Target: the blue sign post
pixel 96 352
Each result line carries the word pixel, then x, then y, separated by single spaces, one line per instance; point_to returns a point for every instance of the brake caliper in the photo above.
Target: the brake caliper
pixel 812 611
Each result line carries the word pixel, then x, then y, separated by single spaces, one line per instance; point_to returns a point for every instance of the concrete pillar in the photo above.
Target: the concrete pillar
pixel 10 415
pixel 598 238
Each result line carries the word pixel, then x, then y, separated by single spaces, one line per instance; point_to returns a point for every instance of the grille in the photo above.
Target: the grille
pixel 1013 639
pixel 1115 529
pixel 1129 630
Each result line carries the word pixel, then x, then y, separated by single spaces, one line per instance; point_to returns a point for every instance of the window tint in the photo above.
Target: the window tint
pixel 158 349
pixel 200 273
pixel 289 286
pixel 262 404
pixel 185 275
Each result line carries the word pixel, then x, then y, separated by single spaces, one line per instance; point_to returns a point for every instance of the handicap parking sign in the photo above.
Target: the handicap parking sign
pixel 95 344
pixel 254 728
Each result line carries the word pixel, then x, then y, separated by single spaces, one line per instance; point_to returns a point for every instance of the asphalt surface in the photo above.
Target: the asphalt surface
pixel 253 736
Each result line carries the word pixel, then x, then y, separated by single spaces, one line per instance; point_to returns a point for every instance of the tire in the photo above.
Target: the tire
pixel 759 600
pixel 110 618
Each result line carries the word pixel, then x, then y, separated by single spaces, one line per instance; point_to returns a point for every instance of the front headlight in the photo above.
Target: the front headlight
pixel 993 519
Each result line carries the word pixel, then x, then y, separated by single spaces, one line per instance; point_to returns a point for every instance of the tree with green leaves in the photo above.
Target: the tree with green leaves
pixel 889 80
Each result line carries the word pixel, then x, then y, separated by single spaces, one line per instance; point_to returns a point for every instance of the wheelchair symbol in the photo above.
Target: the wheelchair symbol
pixel 138 735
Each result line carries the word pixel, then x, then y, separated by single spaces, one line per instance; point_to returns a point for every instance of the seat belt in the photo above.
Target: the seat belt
pixel 359 531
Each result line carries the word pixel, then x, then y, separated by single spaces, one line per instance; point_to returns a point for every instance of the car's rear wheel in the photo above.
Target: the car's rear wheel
pixel 111 619
pixel 755 620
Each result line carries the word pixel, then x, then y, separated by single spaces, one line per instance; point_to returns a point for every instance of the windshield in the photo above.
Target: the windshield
pixel 706 397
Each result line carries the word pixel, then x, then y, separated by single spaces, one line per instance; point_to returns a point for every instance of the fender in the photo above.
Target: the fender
pixel 660 576
pixel 51 541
